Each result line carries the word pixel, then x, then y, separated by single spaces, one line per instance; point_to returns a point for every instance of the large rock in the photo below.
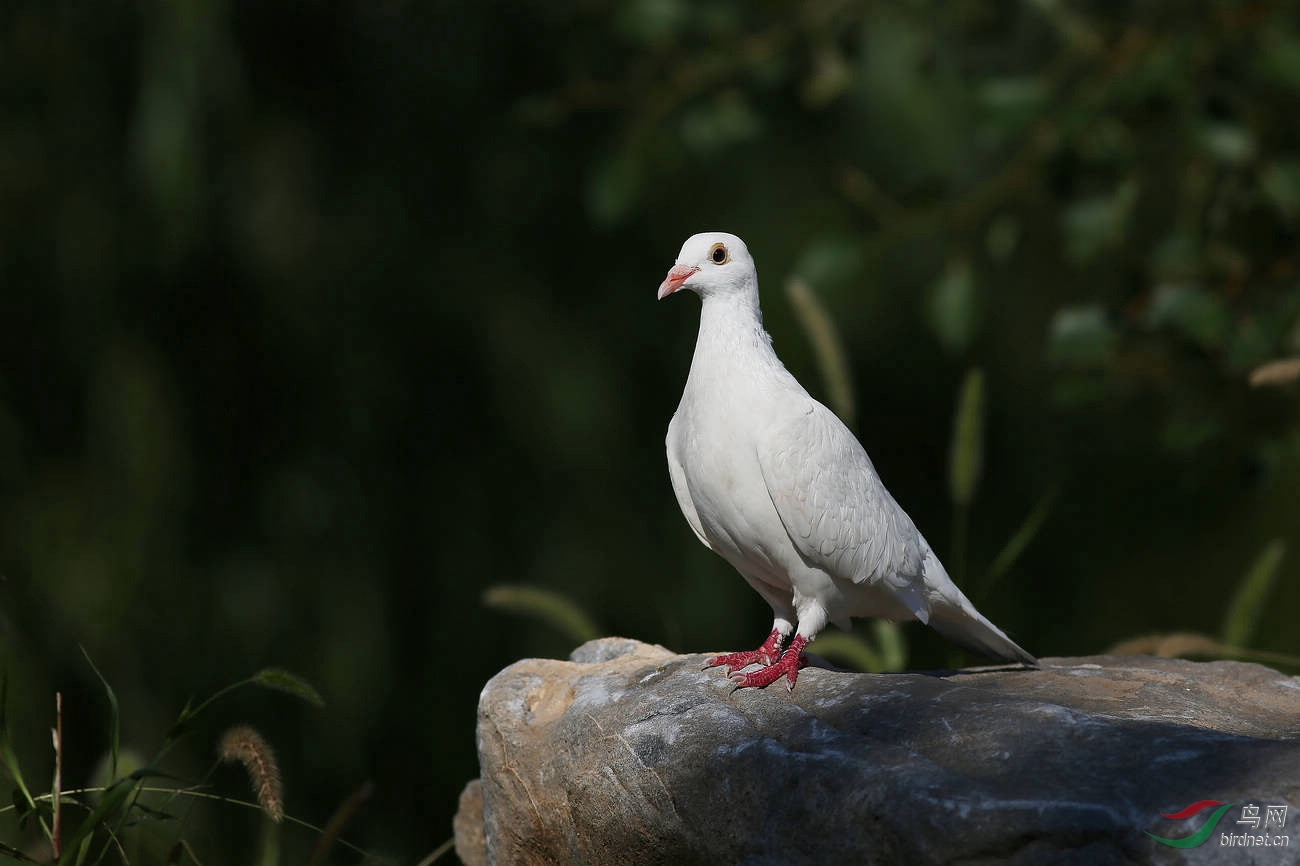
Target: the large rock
pixel 628 754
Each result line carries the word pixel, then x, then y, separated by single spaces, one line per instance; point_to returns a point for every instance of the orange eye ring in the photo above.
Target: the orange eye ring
pixel 719 254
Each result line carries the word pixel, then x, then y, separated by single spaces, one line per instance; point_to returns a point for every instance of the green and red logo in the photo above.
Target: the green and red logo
pixel 1200 835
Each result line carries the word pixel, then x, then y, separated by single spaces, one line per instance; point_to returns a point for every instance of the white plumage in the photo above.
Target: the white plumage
pixel 774 482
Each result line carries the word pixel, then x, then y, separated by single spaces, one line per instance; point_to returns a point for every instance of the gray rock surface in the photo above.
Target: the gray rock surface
pixel 630 754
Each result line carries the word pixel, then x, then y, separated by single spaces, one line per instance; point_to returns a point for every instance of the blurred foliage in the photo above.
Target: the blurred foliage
pixel 552 608
pixel 1019 542
pixel 966 456
pixel 829 348
pixel 1243 614
pixel 311 340
pixel 887 652
pixel 1239 623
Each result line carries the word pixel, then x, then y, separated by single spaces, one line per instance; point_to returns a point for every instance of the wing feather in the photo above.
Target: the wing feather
pixel 832 503
pixel 677 475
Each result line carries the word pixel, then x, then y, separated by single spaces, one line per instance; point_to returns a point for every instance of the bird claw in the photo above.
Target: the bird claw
pixel 736 661
pixel 766 655
pixel 762 677
pixel 791 661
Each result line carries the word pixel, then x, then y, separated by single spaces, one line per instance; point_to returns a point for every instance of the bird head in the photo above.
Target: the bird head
pixel 711 263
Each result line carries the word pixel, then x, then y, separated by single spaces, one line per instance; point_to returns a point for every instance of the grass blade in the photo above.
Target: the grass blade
pixel 892 643
pixel 15 855
pixel 276 679
pixel 10 760
pixel 550 607
pixel 848 648
pixel 967 452
pixel 114 718
pixel 828 347
pixel 1248 603
pixel 1019 542
pixel 114 797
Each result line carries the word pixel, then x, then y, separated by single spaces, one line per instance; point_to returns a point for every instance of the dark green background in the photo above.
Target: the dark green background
pixel 321 318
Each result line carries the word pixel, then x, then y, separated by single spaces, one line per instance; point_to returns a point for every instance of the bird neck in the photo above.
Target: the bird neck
pixel 731 327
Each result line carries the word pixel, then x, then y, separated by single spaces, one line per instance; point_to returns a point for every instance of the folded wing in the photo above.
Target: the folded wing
pixel 834 506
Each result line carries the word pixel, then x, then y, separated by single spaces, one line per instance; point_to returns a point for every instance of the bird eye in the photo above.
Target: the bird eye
pixel 719 255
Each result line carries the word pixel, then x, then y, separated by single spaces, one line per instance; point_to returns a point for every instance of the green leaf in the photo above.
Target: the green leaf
pixel 1107 142
pixel 1095 224
pixel 719 123
pixel 115 723
pixel 1195 313
pixel 1228 144
pixel 1248 603
pixel 1187 435
pixel 1279 57
pixel 831 75
pixel 1002 237
pixel 550 607
pixel 1178 253
pixel 953 309
pixel 1081 337
pixel 967 450
pixel 923 103
pixel 832 261
pixel 1280 183
pixel 281 680
pixel 651 22
pixel 1161 73
pixel 825 339
pixel 1023 93
pixel 1008 105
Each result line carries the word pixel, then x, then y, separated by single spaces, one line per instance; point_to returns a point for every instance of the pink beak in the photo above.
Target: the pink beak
pixel 677 275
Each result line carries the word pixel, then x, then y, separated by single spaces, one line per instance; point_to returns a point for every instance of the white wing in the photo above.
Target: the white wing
pixel 836 509
pixel 677 475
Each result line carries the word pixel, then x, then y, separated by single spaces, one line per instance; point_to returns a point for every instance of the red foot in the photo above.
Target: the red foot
pixel 789 664
pixel 768 653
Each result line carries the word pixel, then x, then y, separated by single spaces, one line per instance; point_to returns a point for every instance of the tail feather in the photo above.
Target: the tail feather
pixel 972 631
pixel 954 616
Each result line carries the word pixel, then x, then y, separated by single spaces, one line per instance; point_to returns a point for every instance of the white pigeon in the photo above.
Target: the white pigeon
pixel 772 481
